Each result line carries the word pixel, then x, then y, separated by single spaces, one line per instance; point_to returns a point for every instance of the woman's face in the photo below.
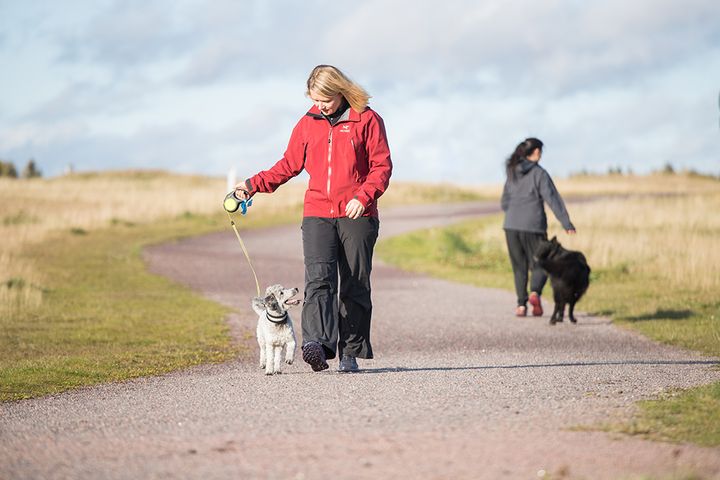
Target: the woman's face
pixel 326 105
pixel 535 155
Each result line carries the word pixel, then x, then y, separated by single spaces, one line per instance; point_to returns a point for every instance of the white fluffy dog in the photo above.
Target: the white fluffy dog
pixel 274 327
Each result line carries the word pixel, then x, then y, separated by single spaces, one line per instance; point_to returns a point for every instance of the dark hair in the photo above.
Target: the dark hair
pixel 524 148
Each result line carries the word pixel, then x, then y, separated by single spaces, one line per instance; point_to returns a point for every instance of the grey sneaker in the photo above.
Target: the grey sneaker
pixel 314 354
pixel 348 364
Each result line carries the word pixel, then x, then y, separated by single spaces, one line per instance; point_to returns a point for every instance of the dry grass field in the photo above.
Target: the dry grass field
pixel 673 238
pixel 33 210
pixel 662 225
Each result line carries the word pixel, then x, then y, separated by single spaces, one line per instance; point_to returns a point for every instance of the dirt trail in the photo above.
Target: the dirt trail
pixel 459 388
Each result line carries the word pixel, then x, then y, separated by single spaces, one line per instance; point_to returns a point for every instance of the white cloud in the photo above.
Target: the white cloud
pixel 129 33
pixel 544 46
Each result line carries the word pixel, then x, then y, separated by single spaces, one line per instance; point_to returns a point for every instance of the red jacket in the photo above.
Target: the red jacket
pixel 348 160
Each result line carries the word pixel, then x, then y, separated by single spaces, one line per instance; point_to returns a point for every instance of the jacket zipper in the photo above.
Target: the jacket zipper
pixel 329 173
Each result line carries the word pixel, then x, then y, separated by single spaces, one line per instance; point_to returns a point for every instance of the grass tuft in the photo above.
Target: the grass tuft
pixel 19 218
pixel 679 416
pixel 17 283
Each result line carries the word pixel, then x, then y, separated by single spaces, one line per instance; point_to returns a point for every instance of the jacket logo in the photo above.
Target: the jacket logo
pixel 345 128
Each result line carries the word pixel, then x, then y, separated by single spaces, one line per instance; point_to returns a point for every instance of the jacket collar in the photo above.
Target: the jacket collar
pixel 350 115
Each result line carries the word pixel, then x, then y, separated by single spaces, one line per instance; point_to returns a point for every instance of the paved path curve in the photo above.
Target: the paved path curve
pixel 459 389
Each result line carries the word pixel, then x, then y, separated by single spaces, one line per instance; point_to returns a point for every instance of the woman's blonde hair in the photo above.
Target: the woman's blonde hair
pixel 328 81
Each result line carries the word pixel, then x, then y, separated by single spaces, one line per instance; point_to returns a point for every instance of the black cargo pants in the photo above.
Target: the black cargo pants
pixel 521 247
pixel 338 247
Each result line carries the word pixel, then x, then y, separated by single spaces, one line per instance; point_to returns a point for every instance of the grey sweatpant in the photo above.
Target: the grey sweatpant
pixel 338 318
pixel 521 246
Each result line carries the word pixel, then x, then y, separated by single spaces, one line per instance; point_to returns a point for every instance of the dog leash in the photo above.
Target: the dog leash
pixel 243 204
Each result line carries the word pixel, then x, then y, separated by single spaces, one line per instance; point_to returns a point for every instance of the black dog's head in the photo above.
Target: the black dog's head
pixel 547 250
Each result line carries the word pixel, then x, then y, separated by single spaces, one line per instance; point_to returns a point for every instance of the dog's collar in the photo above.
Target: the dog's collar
pixel 276 319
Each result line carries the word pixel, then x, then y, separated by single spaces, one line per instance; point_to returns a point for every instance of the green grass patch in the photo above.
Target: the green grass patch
pixel 683 416
pixel 467 253
pixel 104 318
pixel 455 253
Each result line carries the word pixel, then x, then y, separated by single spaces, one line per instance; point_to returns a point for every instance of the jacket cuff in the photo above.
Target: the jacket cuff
pixel 249 187
pixel 363 199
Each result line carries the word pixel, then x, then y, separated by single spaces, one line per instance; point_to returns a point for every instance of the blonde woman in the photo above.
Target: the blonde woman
pixel 342 144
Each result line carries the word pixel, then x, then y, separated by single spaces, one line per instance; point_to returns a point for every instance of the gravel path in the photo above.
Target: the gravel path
pixel 459 389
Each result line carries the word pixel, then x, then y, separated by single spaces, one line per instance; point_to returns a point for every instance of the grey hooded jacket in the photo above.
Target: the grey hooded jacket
pixel 523 197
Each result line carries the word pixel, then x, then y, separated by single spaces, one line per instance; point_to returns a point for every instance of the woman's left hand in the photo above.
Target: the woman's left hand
pixel 354 209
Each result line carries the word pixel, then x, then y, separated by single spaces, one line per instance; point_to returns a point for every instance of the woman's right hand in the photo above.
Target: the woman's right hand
pixel 241 191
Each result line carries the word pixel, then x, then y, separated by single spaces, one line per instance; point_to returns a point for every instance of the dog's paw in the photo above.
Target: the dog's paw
pixel 269 372
pixel 289 361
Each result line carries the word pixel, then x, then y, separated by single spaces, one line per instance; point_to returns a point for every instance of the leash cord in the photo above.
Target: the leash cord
pixel 247 256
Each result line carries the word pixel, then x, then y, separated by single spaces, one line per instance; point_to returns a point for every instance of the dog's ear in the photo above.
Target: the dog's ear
pixel 258 304
pixel 271 303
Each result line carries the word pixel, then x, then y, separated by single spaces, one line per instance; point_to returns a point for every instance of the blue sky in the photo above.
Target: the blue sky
pixel 200 87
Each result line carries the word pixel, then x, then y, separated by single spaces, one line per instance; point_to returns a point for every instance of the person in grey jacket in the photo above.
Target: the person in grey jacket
pixel 527 188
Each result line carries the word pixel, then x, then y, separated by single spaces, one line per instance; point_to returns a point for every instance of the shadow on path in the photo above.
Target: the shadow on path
pixel 540 365
pixel 663 315
pixel 512 367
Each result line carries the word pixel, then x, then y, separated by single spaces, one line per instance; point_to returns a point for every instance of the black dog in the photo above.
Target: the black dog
pixel 569 276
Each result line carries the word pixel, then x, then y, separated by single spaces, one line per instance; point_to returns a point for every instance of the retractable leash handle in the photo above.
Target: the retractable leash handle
pixel 232 204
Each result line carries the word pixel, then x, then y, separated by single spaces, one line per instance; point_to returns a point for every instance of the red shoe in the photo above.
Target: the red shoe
pixel 521 311
pixel 534 300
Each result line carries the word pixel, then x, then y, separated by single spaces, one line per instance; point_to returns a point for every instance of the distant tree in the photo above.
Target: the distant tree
pixel 7 169
pixel 580 173
pixel 31 170
pixel 668 169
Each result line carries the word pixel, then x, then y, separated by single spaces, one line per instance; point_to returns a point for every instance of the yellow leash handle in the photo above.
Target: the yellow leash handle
pixel 247 256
